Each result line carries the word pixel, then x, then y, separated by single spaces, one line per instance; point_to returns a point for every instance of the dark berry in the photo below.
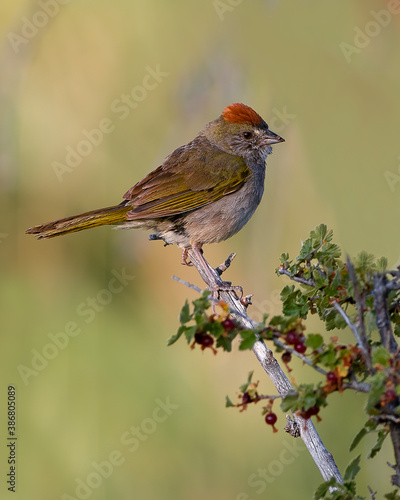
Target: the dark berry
pixel 313 410
pixel 292 338
pixel 286 357
pixel 390 395
pixel 246 398
pixel 331 377
pixel 198 337
pixel 271 418
pixel 228 324
pixel 300 348
pixel 207 341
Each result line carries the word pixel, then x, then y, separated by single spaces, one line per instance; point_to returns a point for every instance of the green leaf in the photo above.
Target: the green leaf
pixel 215 328
pixel 228 402
pixel 380 355
pixel 199 318
pixel 190 332
pixel 306 250
pixel 309 400
pixel 394 495
pixel 323 489
pixel 243 387
pixel 364 262
pixel 319 234
pixel 328 358
pixel 284 259
pixel 248 339
pixel 363 432
pixel 176 336
pixel 378 445
pixel 381 264
pixel 340 323
pixel 376 391
pixel 314 340
pixel 202 303
pixel 290 402
pixel 225 343
pixel 185 315
pixel 352 469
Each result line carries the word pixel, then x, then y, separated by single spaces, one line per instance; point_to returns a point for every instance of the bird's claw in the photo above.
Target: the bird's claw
pixel 225 286
pixel 185 258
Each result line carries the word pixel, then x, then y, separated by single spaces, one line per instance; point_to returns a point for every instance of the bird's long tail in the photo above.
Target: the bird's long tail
pixel 100 217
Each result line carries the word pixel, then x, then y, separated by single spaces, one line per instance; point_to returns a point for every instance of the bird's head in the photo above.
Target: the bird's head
pixel 241 131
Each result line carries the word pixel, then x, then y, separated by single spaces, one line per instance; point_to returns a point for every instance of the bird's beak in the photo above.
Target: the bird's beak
pixel 272 138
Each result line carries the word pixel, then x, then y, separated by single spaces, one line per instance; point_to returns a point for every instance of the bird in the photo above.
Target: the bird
pixel 204 192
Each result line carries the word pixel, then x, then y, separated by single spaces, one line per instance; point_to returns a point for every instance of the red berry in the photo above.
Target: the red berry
pixel 292 338
pixel 286 357
pixel 207 341
pixel 228 324
pixel 271 418
pixel 300 348
pixel 390 395
pixel 331 377
pixel 313 410
pixel 203 339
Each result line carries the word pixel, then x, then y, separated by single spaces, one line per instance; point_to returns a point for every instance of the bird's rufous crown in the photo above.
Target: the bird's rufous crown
pixel 240 113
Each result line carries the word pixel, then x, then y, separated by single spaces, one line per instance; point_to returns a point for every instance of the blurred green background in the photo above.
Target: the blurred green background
pixel 65 68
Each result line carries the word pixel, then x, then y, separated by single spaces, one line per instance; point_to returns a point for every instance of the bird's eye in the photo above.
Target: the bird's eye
pixel 247 135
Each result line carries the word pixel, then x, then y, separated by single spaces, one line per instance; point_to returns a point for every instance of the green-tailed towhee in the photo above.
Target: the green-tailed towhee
pixel 204 192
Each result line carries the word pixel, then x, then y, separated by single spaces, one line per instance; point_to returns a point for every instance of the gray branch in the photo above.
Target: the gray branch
pixel 382 314
pixel 356 333
pixel 321 456
pixel 298 279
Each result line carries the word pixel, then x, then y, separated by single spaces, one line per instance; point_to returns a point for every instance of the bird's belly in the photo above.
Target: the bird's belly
pixel 219 220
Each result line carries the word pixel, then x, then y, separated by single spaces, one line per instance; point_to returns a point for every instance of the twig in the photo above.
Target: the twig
pixel 190 285
pixel 210 297
pixel 354 329
pixel 298 279
pixel 257 399
pixel 395 437
pixel 360 305
pixel 321 456
pixel 382 315
pixel 224 266
pixel 357 386
pixel 372 493
pixel 300 356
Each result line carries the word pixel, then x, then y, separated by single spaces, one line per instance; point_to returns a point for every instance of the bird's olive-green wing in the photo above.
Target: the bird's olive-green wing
pixel 188 179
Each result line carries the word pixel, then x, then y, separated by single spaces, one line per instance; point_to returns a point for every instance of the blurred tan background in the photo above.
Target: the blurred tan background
pixel 324 75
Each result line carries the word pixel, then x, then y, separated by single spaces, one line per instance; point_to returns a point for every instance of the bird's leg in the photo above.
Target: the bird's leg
pixel 215 284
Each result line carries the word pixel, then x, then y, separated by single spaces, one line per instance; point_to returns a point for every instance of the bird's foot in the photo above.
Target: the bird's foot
pixel 185 258
pixel 224 286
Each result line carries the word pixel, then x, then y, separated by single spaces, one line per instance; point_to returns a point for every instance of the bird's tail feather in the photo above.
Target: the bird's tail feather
pixel 100 217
